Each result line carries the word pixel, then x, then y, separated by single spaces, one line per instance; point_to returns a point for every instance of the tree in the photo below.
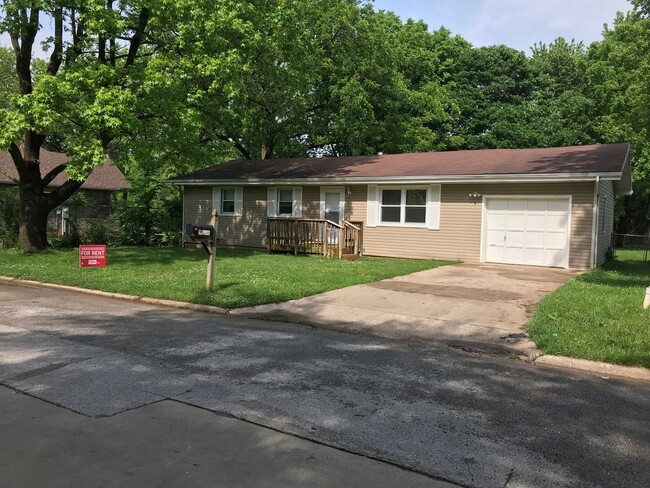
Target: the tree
pixel 619 80
pixel 85 99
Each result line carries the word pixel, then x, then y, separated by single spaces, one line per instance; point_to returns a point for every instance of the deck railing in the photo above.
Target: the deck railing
pixel 314 236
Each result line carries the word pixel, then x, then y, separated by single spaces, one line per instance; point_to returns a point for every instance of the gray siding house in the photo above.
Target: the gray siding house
pixel 541 207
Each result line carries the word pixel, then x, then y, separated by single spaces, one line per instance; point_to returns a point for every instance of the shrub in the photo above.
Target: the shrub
pixel 9 217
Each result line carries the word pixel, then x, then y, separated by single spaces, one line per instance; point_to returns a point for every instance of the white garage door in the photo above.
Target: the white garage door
pixel 528 231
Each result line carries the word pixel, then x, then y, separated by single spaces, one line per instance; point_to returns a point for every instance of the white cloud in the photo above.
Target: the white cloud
pixel 516 23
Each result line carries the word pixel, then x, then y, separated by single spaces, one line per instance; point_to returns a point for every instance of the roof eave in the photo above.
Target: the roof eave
pixel 490 178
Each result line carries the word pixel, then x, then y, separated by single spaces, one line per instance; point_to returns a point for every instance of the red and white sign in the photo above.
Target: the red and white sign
pixel 92 255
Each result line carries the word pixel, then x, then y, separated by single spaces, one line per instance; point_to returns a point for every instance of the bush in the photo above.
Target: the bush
pixel 9 217
pixel 95 231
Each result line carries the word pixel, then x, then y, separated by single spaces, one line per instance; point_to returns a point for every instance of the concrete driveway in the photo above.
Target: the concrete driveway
pixel 484 307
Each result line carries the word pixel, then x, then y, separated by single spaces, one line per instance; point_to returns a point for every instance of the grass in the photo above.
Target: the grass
pixel 599 315
pixel 243 278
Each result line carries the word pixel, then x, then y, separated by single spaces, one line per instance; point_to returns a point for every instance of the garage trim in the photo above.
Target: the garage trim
pixel 525 197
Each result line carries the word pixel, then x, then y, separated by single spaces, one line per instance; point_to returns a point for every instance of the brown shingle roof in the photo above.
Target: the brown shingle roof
pixel 606 158
pixel 104 177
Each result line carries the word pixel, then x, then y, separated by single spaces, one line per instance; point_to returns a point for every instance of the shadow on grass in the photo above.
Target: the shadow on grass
pixel 619 273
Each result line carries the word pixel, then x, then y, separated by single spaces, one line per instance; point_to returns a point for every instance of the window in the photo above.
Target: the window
pixel 408 206
pixel 285 201
pixel 228 200
pixel 404 206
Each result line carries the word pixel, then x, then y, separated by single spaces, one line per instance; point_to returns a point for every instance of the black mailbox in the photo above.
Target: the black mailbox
pixel 198 232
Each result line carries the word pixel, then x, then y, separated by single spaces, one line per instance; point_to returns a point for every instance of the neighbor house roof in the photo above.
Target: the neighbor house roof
pixel 608 161
pixel 104 177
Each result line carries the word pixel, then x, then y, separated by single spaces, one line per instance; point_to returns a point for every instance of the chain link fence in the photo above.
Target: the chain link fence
pixel 639 244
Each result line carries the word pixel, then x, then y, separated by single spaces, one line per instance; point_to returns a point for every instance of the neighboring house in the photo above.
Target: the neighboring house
pixel 544 207
pixel 97 189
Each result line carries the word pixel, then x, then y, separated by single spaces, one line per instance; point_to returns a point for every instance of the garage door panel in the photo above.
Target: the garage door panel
pixel 556 240
pixel 536 222
pixel 535 256
pixel 515 239
pixel 532 231
pixel 535 239
pixel 517 205
pixel 556 222
pixel 514 255
pixel 496 221
pixel 537 205
pixel 494 254
pixel 554 258
pixel 516 221
pixel 558 205
pixel 497 204
pixel 495 238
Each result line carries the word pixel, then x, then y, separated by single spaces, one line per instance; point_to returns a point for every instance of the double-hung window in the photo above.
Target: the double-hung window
pixel 284 201
pixel 403 206
pixel 228 200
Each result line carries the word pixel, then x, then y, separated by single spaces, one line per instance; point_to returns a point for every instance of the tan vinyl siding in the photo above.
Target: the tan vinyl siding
pixel 311 202
pixel 247 230
pixel 604 239
pixel 459 237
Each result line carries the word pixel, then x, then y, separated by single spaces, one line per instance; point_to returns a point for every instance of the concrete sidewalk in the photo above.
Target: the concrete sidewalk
pixel 171 444
pixel 481 307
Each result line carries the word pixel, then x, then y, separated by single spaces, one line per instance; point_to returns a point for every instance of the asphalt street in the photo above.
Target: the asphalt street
pixel 475 420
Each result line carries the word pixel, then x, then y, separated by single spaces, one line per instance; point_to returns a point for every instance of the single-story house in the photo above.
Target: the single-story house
pixel 543 207
pixel 97 189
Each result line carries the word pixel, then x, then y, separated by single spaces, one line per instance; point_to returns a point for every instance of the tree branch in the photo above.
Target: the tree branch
pixel 54 172
pixel 57 53
pixel 137 37
pixel 59 195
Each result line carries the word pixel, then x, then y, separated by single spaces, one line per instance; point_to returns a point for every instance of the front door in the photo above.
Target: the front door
pixel 333 203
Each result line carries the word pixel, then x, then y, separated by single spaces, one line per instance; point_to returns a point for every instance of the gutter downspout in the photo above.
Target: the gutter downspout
pixel 594 227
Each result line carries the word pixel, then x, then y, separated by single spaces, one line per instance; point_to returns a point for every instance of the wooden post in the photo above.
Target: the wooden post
pixel 209 282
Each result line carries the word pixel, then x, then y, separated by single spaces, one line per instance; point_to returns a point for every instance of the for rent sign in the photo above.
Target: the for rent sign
pixel 92 255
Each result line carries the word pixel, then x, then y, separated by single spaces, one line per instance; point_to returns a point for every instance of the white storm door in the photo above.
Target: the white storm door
pixel 528 231
pixel 332 208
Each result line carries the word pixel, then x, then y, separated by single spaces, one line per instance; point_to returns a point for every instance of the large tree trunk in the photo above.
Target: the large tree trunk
pixel 35 202
pixel 32 234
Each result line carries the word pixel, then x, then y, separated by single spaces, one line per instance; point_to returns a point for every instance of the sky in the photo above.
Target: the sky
pixel 515 23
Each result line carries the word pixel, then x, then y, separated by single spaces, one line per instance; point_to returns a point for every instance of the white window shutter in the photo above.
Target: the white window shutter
pixel 433 207
pixel 239 200
pixel 272 202
pixel 216 199
pixel 297 202
pixel 372 217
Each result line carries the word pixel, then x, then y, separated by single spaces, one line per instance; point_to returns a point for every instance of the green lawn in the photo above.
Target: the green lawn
pixel 243 278
pixel 599 315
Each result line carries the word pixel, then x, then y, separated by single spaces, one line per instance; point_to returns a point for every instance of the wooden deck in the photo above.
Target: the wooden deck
pixel 315 236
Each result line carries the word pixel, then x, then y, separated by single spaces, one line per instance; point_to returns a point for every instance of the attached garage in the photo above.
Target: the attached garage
pixel 527 230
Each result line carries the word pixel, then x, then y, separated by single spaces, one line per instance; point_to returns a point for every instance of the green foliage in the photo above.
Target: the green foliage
pixel 95 231
pixel 9 217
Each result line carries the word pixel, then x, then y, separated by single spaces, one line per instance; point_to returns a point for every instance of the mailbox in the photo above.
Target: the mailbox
pixel 199 232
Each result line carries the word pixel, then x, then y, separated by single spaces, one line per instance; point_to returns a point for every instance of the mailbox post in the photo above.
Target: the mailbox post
pixel 209 282
pixel 207 236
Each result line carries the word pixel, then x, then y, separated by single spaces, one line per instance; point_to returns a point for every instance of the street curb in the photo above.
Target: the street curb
pixel 119 296
pixel 584 365
pixel 595 367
